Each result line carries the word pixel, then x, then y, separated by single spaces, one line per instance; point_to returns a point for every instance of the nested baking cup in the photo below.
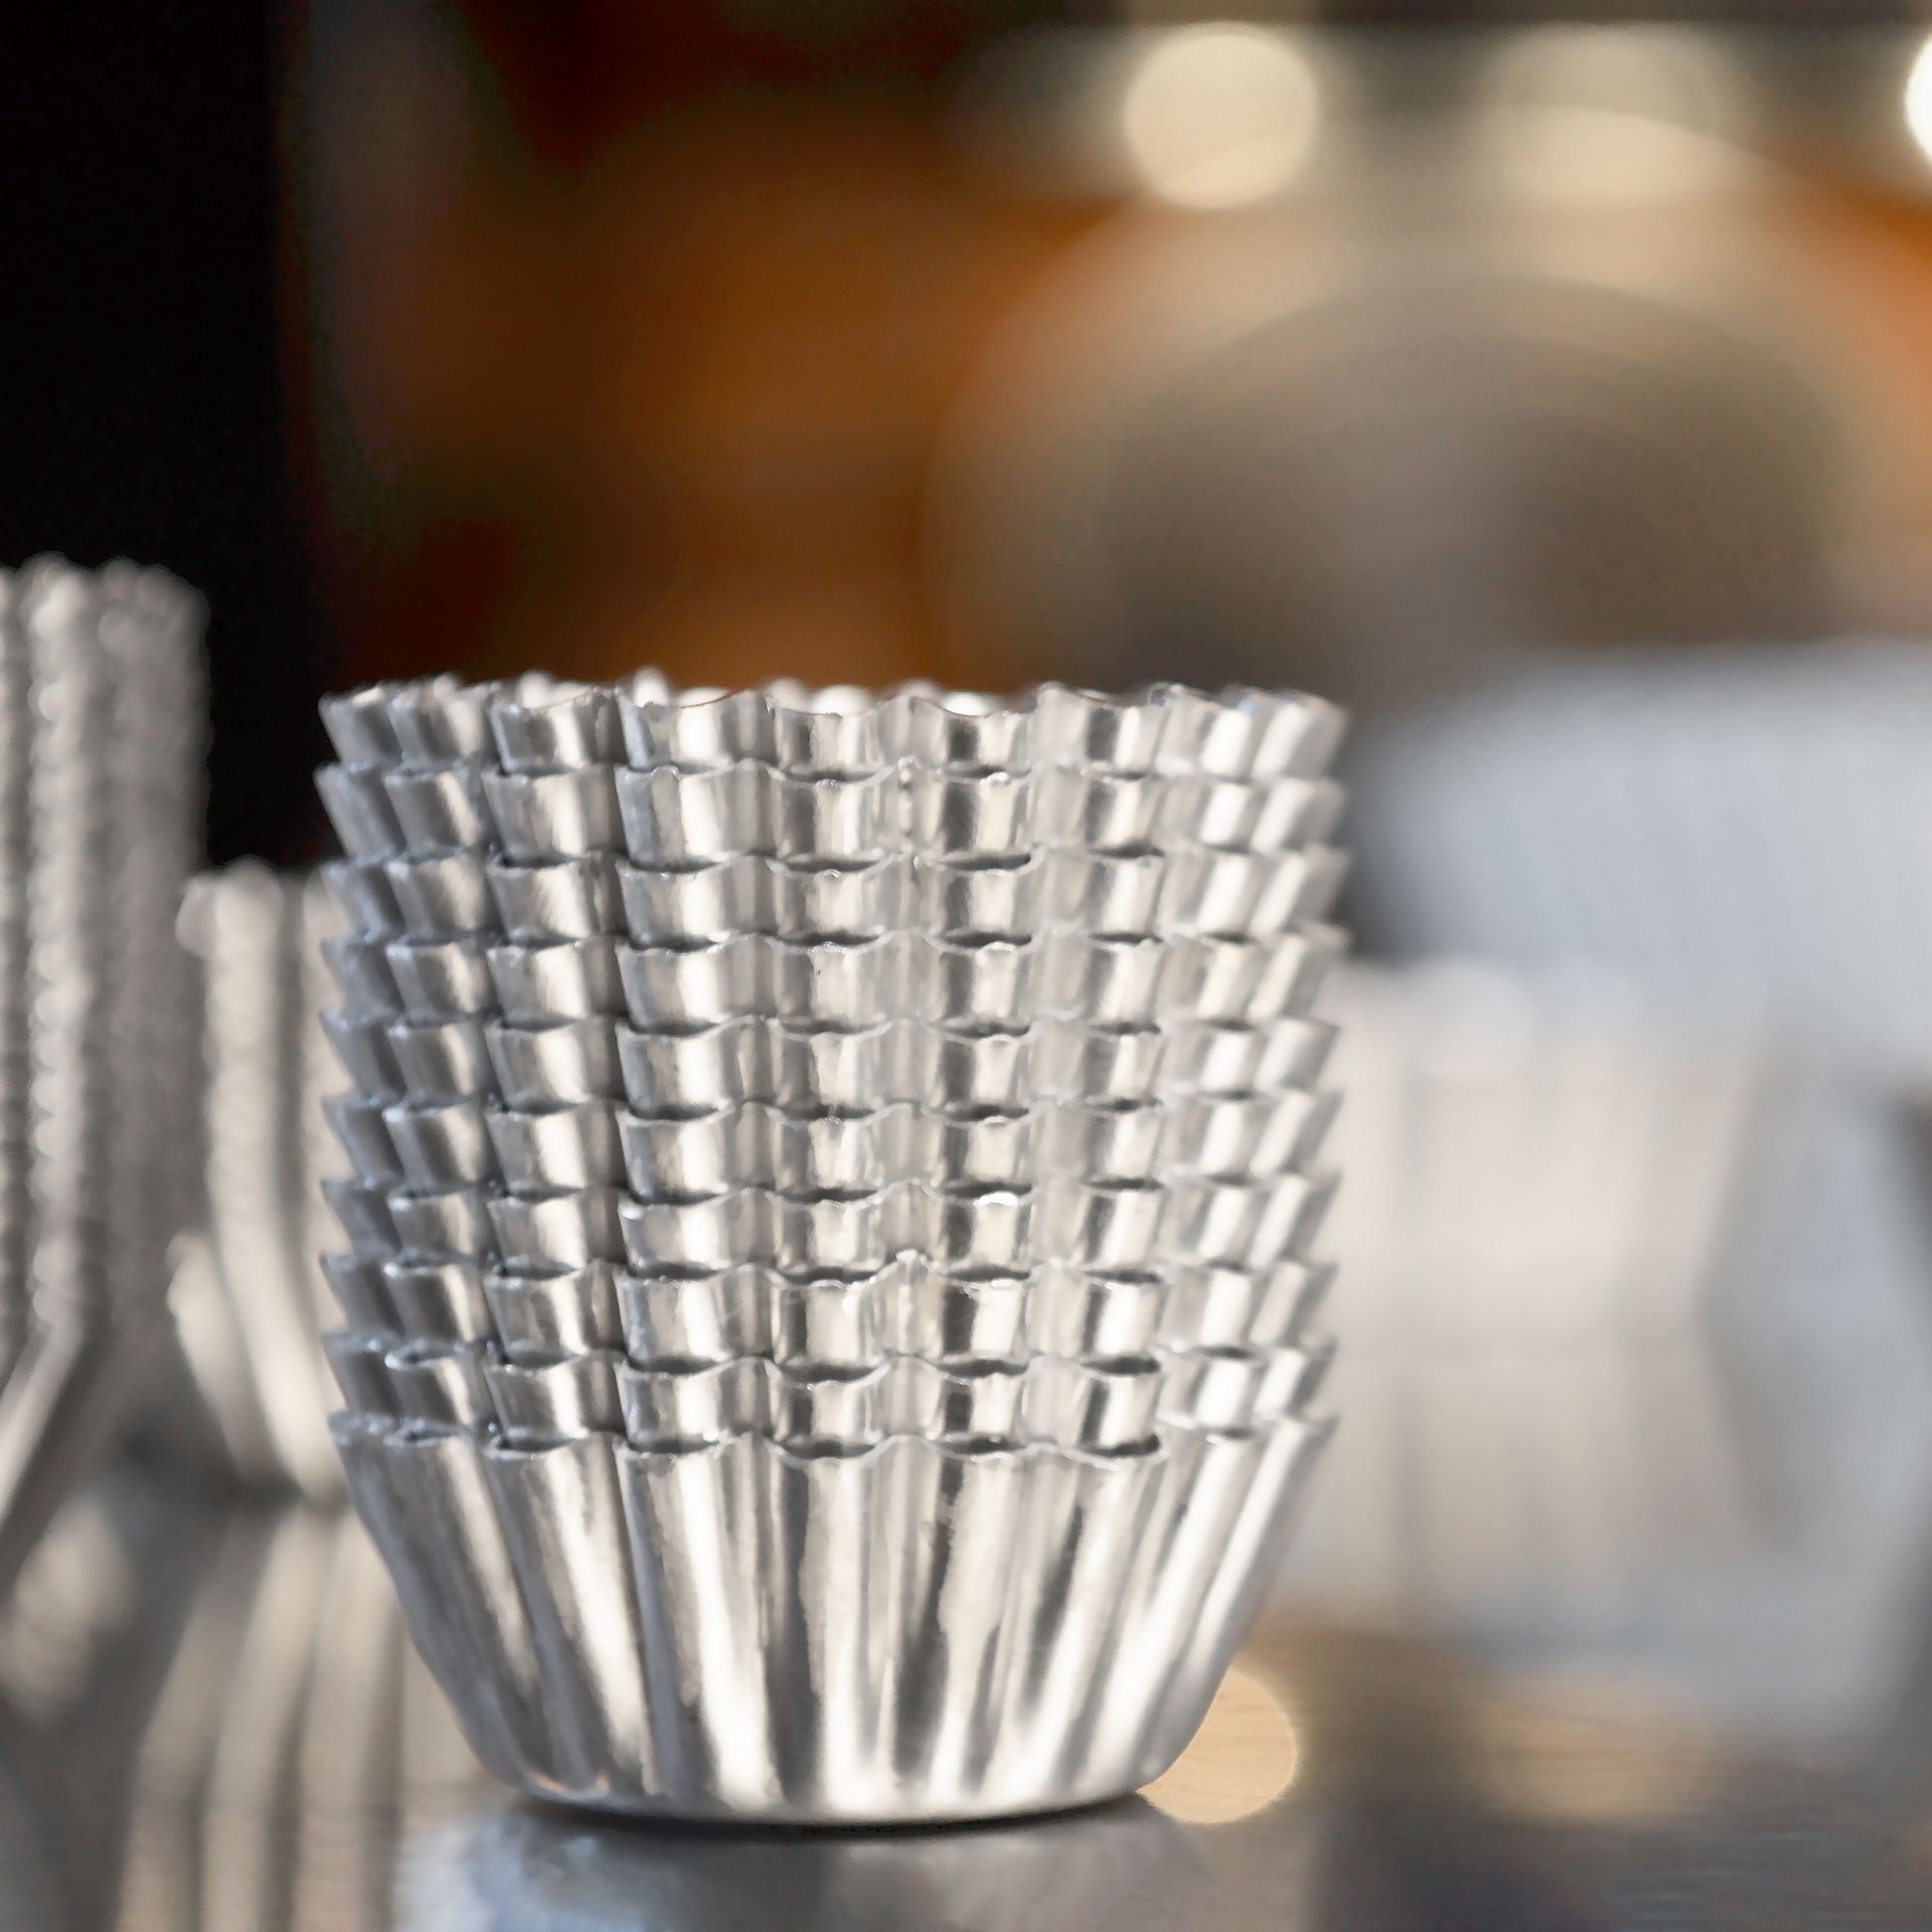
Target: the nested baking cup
pixel 1110 1404
pixel 362 889
pixel 1217 1008
pixel 1117 804
pixel 438 1139
pixel 1107 980
pixel 669 817
pixel 1238 734
pixel 916 1629
pixel 557 899
pixel 540 723
pixel 909 1307
pixel 1174 893
pixel 905 1308
pixel 990 983
pixel 444 809
pixel 806 1070
pixel 1108 1226
pixel 101 728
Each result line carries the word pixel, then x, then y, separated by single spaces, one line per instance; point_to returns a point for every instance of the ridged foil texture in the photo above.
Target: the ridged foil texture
pixel 906 1632
pixel 828 1286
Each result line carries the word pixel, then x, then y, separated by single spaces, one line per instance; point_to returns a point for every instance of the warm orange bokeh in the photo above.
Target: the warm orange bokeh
pixel 678 404
pixel 642 350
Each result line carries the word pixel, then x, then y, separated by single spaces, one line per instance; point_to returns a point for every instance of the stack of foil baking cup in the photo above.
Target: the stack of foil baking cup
pixel 101 795
pixel 828 1283
pixel 249 1298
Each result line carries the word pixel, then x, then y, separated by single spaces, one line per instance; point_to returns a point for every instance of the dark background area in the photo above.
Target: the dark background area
pixel 143 413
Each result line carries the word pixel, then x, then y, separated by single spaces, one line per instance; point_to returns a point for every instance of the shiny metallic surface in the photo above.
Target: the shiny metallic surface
pixel 441 1062
pixel 572 1312
pixel 441 979
pixel 896 1722
pixel 439 1300
pixel 442 894
pixel 361 888
pixel 567 1060
pixel 563 979
pixel 560 899
pixel 880 1378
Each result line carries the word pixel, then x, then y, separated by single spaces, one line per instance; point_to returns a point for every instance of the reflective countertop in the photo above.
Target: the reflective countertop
pixel 212 1721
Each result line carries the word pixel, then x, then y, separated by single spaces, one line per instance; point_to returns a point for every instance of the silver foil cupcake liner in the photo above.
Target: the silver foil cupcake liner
pixel 442 1061
pixel 1200 911
pixel 435 1141
pixel 1101 790
pixel 558 1041
pixel 1101 1226
pixel 802 1070
pixel 442 810
pixel 438 892
pixel 442 979
pixel 543 724
pixel 564 1062
pixel 360 886
pixel 665 816
pixel 1239 734
pixel 911 1631
pixel 557 899
pixel 1218 1242
pixel 1105 979
pixel 830 1406
pixel 992 984
pixel 443 894
pixel 909 1307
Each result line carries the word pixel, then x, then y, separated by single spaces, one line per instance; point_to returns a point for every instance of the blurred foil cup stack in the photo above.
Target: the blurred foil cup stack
pixel 1545 1186
pixel 100 752
pixel 211 1715
pixel 1736 833
pixel 249 1297
pixel 294 1747
pixel 827 1272
pixel 1732 830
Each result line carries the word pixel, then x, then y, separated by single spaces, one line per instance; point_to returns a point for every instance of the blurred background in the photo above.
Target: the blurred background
pixel 1362 348
pixel 1553 389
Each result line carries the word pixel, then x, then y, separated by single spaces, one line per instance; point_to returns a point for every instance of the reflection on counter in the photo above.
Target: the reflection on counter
pixel 216 1721
pixel 513 1866
pixel 234 1740
pixel 295 1737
